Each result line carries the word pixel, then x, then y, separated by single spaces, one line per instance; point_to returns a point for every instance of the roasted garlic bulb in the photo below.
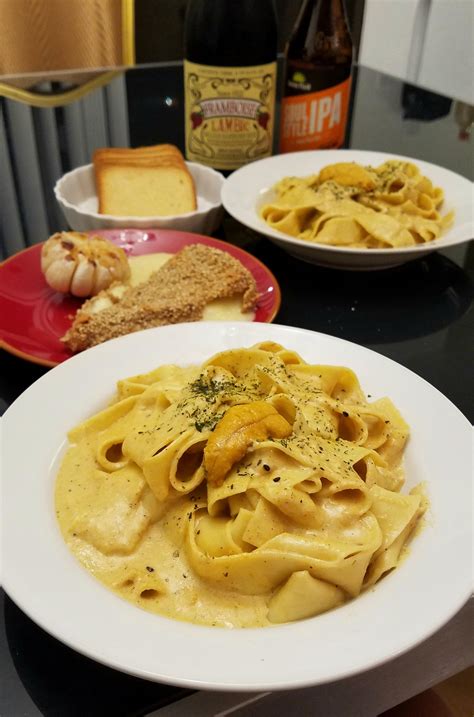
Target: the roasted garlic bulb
pixel 82 265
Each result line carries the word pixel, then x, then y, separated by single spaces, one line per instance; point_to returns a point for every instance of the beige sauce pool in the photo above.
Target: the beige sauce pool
pixel 156 575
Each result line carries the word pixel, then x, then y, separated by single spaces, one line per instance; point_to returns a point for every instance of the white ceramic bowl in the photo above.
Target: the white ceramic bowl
pixel 48 584
pixel 77 197
pixel 247 189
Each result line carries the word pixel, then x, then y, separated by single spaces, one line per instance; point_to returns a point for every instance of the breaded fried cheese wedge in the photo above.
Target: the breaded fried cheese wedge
pixel 177 292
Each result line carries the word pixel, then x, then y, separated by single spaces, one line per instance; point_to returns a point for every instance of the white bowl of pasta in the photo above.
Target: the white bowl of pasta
pixel 261 488
pixel 352 209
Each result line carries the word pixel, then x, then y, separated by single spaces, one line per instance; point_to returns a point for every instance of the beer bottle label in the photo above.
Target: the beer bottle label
pixel 314 120
pixel 229 113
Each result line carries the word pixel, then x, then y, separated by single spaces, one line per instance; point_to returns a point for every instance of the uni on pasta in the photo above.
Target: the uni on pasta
pixel 252 490
pixel 346 204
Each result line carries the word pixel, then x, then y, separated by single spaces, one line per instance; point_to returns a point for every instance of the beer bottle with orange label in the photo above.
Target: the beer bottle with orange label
pixel 317 79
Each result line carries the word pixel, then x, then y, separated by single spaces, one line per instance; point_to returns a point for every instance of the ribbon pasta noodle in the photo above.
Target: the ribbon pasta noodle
pixel 251 490
pixel 346 204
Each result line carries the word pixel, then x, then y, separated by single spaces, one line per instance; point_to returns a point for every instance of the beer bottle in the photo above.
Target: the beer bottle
pixel 317 78
pixel 230 49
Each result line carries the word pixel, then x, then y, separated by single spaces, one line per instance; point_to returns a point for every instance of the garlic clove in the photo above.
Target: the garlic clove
pixel 59 274
pixel 83 279
pixel 120 268
pixel 103 278
pixel 52 251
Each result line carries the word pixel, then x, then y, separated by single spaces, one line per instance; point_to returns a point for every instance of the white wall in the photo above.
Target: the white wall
pixel 386 39
pixel 447 64
pixel 426 42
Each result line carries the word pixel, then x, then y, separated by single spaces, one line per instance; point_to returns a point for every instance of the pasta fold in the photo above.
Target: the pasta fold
pixel 390 206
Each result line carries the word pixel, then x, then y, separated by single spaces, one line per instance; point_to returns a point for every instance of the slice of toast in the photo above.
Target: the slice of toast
pixel 145 190
pixel 151 149
pixel 114 154
pixel 177 292
pixel 148 181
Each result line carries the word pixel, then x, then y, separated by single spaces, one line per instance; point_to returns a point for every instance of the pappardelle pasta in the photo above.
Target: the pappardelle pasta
pixel 251 490
pixel 349 205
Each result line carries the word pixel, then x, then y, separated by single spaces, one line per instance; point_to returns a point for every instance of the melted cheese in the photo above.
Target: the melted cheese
pixel 142 266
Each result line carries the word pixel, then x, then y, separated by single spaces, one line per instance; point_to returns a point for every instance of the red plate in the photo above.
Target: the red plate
pixel 33 317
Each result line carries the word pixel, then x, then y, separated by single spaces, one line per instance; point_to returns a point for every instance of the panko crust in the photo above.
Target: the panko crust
pixel 177 292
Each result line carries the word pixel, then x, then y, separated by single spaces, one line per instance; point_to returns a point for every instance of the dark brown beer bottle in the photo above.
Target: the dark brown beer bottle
pixel 230 49
pixel 317 78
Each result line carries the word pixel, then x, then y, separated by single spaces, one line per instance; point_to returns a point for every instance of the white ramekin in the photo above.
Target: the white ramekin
pixel 77 197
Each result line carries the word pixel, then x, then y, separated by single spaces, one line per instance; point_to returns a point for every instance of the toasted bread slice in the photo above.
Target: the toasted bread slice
pixel 148 181
pixel 138 151
pixel 177 292
pixel 145 190
pixel 119 154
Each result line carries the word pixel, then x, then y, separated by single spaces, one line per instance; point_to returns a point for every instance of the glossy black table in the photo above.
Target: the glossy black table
pixel 419 314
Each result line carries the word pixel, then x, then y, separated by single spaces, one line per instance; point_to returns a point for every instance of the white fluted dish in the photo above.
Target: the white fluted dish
pixel 77 196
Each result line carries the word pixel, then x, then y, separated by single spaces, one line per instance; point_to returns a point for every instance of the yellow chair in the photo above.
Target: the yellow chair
pixel 78 41
pixel 62 77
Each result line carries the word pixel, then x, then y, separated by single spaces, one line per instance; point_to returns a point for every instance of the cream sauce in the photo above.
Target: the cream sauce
pixel 156 576
pixel 219 310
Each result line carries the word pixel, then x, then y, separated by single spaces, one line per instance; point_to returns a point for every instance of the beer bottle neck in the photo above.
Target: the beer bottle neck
pixel 321 33
pixel 230 32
